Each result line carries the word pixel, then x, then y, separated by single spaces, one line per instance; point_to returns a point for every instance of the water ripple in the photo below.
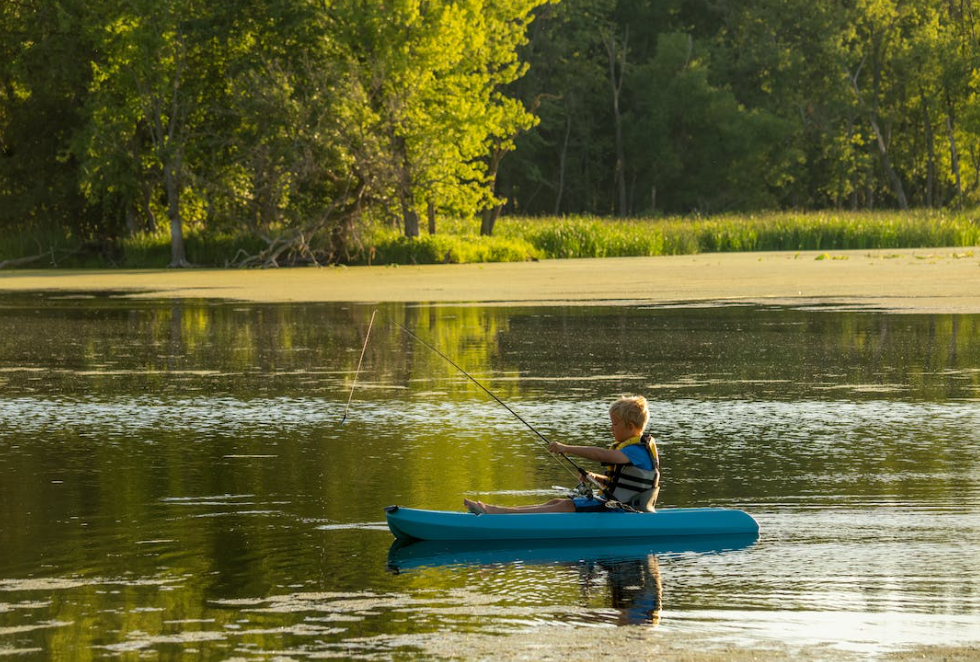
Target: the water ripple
pixel 815 423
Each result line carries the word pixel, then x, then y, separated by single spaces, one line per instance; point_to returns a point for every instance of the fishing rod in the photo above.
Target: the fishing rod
pixel 358 370
pixel 581 472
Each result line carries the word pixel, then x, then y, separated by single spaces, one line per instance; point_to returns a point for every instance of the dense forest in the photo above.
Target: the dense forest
pixel 299 120
pixel 682 106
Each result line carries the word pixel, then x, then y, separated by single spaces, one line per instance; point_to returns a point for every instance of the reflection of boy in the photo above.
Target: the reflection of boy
pixel 635 587
pixel 636 590
pixel 632 468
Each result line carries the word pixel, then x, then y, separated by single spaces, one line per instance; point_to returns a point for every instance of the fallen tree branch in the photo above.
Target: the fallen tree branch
pixel 288 249
pixel 21 261
pixel 295 246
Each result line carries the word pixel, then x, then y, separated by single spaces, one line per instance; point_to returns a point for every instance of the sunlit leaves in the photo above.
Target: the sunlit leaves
pixel 420 98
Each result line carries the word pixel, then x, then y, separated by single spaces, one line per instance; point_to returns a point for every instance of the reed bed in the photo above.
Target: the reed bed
pixel 816 231
pixel 517 238
pixel 524 238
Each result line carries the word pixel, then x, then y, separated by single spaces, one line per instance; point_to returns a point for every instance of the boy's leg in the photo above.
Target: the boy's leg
pixel 553 506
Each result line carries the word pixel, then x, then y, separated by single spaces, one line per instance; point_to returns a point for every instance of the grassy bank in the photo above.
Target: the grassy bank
pixel 518 239
pixel 576 237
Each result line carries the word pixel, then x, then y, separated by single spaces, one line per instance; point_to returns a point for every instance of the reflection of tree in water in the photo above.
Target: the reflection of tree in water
pixel 635 587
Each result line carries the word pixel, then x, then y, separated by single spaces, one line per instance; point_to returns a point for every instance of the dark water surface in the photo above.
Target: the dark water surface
pixel 174 481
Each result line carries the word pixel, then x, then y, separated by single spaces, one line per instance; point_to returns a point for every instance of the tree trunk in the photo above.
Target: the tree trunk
pixel 132 223
pixel 146 198
pixel 431 213
pixel 491 214
pixel 869 186
pixel 144 194
pixel 616 84
pixel 487 222
pixel 562 159
pixel 975 165
pixel 896 181
pixel 954 158
pixel 411 221
pixel 886 161
pixel 405 193
pixel 930 150
pixel 410 217
pixel 178 256
pixel 132 211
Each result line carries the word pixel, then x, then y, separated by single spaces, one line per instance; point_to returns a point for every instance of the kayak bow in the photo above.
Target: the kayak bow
pixel 416 524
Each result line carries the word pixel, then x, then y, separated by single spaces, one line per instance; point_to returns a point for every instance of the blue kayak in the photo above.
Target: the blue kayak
pixel 415 524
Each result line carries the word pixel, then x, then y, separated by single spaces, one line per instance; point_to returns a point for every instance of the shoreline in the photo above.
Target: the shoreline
pixel 938 280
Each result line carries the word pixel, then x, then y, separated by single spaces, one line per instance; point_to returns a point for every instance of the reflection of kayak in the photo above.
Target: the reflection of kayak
pixel 669 523
pixel 408 554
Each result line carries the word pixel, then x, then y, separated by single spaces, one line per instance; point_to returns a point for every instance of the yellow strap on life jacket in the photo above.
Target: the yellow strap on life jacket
pixel 620 445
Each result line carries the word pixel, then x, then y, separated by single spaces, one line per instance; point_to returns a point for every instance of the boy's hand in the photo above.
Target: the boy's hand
pixel 557 447
pixel 587 475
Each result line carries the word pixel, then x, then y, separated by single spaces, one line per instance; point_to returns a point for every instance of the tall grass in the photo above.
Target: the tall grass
pixel 152 250
pixel 517 238
pixel 594 237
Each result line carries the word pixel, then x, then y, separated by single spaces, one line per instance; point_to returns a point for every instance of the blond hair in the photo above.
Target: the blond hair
pixel 632 410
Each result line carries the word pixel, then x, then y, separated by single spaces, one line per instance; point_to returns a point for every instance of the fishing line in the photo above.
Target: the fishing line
pixel 354 383
pixel 580 471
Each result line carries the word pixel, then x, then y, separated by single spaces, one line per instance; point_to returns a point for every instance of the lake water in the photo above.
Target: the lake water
pixel 174 480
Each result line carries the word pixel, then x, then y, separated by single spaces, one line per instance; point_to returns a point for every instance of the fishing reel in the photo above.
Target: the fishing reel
pixel 580 490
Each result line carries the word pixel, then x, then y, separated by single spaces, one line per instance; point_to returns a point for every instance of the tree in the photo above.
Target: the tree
pixel 420 104
pixel 146 99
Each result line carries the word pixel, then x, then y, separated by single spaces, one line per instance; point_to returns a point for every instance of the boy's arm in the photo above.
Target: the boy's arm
pixel 604 455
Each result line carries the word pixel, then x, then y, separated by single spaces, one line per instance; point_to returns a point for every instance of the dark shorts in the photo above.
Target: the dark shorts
pixel 593 505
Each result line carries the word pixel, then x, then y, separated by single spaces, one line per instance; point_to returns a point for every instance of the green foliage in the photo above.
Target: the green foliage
pixel 695 143
pixel 302 119
pixel 387 246
pixel 742 106
pixel 120 116
pixel 418 101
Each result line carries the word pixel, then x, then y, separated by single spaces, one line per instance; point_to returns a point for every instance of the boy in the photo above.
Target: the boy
pixel 632 474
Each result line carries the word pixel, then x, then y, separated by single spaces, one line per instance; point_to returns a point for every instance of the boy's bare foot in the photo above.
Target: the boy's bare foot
pixel 476 507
